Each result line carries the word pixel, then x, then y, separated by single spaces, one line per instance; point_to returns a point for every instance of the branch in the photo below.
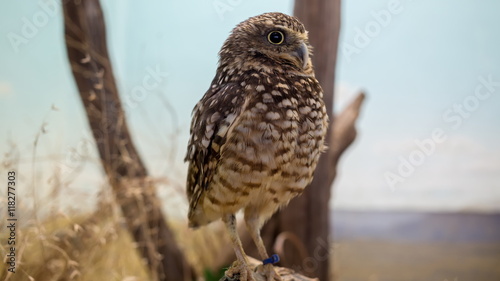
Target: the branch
pixel 286 274
pixel 344 129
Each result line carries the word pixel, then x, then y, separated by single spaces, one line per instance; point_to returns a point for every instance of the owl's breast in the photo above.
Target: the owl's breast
pixel 281 132
pixel 271 150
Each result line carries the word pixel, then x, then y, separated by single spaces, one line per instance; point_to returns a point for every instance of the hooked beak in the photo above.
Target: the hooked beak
pixel 302 54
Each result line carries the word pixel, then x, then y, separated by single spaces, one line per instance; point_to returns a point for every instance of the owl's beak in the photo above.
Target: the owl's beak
pixel 302 54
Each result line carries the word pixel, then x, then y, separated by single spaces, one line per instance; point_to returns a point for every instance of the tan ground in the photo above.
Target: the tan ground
pixel 386 261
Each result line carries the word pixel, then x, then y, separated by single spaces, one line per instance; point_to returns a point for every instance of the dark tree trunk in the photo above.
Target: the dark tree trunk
pixel 300 232
pixel 87 52
pixel 302 229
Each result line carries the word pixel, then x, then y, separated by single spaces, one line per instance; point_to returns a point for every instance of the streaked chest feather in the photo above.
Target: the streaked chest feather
pixel 280 133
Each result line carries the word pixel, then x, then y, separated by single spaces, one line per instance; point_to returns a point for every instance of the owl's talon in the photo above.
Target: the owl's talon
pixel 268 271
pixel 239 271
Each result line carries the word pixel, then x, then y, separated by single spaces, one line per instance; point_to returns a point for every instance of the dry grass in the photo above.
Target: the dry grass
pixel 91 247
pixel 98 247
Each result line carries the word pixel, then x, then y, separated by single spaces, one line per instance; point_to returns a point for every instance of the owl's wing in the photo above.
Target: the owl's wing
pixel 213 117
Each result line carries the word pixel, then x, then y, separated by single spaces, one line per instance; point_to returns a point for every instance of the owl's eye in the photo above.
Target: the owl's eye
pixel 276 37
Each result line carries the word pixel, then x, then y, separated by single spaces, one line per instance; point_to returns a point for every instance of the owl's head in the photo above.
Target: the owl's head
pixel 268 40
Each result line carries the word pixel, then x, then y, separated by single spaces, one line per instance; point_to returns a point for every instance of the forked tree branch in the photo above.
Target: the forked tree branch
pixel 86 46
pixel 344 132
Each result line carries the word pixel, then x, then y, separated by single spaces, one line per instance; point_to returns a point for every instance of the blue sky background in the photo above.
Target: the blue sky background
pixel 417 65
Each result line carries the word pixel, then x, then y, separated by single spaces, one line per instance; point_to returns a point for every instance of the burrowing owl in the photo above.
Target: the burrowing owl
pixel 257 133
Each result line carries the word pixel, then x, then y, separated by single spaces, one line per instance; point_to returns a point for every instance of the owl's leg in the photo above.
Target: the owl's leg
pixel 254 225
pixel 240 266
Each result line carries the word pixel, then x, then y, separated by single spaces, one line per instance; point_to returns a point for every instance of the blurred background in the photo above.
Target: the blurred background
pixel 417 195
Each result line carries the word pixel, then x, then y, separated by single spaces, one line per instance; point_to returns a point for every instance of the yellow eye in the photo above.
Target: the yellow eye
pixel 276 37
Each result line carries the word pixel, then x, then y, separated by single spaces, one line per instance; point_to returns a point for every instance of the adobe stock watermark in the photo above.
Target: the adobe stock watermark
pixel 151 81
pixel 454 117
pixel 364 36
pixel 221 7
pixel 320 254
pixel 75 157
pixel 30 27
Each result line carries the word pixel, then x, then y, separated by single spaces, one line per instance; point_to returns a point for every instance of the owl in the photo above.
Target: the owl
pixel 257 133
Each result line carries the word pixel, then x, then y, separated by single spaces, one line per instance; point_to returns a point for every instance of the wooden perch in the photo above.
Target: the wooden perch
pixel 285 273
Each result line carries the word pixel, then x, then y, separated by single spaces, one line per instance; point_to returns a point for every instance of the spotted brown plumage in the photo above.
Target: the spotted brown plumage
pixel 257 133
